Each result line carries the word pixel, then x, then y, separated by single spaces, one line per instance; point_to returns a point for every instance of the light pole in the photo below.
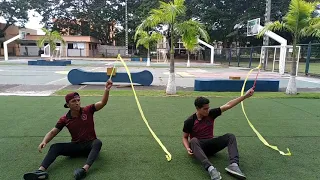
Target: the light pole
pixel 266 38
pixel 126 27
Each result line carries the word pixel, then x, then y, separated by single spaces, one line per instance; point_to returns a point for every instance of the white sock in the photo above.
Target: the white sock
pixel 210 168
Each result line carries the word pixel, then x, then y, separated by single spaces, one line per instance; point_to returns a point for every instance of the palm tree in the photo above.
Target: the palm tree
pixel 167 15
pixel 146 40
pixel 300 22
pixel 51 37
pixel 190 31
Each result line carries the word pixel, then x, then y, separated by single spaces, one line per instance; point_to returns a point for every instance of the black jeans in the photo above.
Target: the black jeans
pixel 205 147
pixel 90 149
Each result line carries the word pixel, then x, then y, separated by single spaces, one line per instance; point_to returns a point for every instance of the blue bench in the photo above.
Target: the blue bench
pixel 49 63
pixel 139 59
pixel 78 76
pixel 226 85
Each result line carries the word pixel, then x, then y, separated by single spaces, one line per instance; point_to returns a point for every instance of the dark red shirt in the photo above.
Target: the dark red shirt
pixel 81 128
pixel 201 129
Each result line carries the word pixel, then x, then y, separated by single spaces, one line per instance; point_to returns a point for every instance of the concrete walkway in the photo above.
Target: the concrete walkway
pixel 17 78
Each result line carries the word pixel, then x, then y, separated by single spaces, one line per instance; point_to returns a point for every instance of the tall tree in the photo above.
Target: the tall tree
pixel 168 15
pixel 190 31
pixel 50 37
pixel 13 12
pixel 147 39
pixel 299 21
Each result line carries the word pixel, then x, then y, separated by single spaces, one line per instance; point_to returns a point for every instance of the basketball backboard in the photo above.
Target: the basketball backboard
pixel 252 27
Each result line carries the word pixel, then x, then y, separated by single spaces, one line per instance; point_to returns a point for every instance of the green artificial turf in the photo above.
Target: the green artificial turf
pixel 130 152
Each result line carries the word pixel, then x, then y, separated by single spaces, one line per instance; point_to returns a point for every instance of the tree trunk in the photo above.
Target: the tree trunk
pixel 292 87
pixel 148 57
pixel 51 53
pixel 188 63
pixel 171 86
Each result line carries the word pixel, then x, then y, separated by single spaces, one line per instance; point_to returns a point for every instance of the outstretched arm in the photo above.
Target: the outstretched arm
pixel 99 105
pixel 236 101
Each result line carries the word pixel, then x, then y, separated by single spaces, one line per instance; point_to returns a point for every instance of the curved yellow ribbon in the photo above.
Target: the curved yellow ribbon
pixel 168 155
pixel 258 134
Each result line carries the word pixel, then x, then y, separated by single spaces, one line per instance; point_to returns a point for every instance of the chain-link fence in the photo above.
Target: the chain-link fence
pixel 249 57
pixel 311 63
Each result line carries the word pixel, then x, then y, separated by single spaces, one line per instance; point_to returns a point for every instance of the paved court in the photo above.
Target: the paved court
pixel 17 78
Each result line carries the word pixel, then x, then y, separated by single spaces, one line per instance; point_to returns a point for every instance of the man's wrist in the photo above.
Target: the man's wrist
pixel 106 89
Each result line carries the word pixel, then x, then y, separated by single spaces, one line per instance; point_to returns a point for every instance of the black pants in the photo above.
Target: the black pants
pixel 205 147
pixel 90 149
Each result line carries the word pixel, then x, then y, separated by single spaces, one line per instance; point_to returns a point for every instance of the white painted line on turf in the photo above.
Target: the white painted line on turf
pixel 62 72
pixel 82 87
pixel 52 82
pixel 62 87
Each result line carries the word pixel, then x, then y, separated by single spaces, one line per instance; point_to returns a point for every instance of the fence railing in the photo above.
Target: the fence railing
pixel 249 57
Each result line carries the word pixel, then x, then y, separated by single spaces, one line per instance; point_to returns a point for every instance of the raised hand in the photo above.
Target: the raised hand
pixel 249 93
pixel 109 84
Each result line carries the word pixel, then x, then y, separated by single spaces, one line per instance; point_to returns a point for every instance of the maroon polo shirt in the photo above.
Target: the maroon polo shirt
pixel 201 129
pixel 81 128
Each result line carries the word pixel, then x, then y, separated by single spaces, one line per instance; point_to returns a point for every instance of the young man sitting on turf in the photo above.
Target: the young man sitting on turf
pixel 80 123
pixel 199 127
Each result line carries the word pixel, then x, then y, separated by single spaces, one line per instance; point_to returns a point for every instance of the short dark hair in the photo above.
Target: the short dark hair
pixel 199 102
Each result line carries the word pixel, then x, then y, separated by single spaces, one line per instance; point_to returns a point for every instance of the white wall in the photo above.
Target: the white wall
pixel 32 50
pixel 79 49
pixel 77 52
pixel 111 50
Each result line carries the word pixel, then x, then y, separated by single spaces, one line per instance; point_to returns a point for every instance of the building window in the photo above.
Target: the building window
pixel 70 45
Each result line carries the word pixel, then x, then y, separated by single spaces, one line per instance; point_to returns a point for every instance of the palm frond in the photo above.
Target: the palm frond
pixel 299 14
pixel 204 34
pixel 190 31
pixel 274 26
pixel 144 42
pixel 140 28
pixel 41 41
pixel 56 36
pixel 312 30
pixel 193 27
pixel 46 31
pixel 145 39
pixel 155 36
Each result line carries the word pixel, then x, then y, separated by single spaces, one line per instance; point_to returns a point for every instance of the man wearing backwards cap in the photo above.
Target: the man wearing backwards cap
pixel 79 122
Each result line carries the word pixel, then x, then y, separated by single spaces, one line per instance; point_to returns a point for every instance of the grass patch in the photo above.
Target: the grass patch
pixel 161 93
pixel 130 152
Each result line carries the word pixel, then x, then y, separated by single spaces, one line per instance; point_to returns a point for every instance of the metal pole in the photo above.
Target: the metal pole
pixel 308 59
pixel 126 27
pixel 266 38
